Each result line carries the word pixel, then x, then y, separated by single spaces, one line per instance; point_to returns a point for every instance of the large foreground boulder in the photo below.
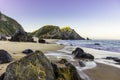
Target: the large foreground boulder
pixel 80 54
pixel 5 57
pixel 65 71
pixel 32 67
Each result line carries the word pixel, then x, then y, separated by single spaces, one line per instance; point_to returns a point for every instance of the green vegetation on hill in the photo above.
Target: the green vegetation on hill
pixel 54 32
pixel 8 26
pixel 67 28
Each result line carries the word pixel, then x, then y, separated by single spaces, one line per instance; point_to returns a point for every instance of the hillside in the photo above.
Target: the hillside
pixel 8 26
pixel 54 32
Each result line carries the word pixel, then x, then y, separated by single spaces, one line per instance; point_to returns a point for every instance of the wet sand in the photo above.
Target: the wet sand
pixel 103 72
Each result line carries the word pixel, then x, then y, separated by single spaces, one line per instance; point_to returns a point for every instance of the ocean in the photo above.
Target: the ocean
pixel 107 45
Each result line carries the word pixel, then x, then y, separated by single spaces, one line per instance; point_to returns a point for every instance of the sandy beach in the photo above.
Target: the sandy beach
pixel 16 48
pixel 100 72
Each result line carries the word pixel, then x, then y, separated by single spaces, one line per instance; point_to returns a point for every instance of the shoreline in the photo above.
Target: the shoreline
pixel 102 71
pixel 96 73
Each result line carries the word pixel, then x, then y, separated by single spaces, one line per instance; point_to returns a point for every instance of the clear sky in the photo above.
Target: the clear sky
pixel 97 19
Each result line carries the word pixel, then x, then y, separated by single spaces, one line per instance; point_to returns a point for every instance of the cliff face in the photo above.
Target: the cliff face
pixel 68 33
pixel 54 32
pixel 8 26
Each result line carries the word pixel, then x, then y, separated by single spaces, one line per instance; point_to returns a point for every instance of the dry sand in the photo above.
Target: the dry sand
pixel 103 72
pixel 16 48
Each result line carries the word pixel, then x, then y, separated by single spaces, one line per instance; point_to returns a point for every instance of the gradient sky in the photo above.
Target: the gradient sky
pixel 97 19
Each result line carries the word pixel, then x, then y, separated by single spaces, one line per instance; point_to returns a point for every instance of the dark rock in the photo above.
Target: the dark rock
pixel 41 41
pixel 78 50
pixel 2 76
pixel 21 36
pixel 32 67
pixel 5 57
pixel 80 54
pixel 65 71
pixel 27 51
pixel 113 58
pixel 3 38
pixel 87 38
pixel 63 61
pixel 97 44
pixel 81 64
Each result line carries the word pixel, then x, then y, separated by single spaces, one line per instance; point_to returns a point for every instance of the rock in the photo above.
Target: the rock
pixel 3 38
pixel 113 58
pixel 41 41
pixel 80 54
pixel 5 57
pixel 21 36
pixel 63 61
pixel 27 51
pixel 78 50
pixel 81 64
pixel 87 38
pixel 2 76
pixel 97 44
pixel 32 67
pixel 65 71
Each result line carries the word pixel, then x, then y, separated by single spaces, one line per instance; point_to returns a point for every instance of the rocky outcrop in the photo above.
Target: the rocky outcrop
pixel 32 67
pixel 54 32
pixel 21 36
pixel 8 26
pixel 5 57
pixel 80 54
pixel 65 71
pixel 68 33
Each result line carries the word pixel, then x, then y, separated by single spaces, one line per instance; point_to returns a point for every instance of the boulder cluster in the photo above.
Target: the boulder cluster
pixel 36 66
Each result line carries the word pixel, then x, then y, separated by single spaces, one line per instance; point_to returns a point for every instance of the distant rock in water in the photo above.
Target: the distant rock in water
pixel 54 32
pixel 32 67
pixel 97 44
pixel 21 36
pixel 8 26
pixel 5 57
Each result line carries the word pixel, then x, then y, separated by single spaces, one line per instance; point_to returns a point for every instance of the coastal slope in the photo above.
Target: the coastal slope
pixel 8 26
pixel 55 32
